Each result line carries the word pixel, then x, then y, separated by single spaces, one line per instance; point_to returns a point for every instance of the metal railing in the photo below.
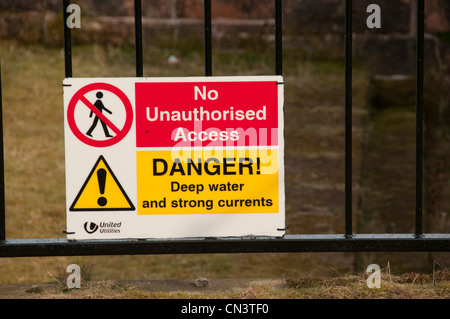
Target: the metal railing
pixel 345 242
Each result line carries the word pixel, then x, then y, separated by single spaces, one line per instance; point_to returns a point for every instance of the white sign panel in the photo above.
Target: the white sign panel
pixel 174 157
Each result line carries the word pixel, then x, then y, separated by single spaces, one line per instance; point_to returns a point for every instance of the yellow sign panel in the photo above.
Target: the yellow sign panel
pixel 101 191
pixel 207 182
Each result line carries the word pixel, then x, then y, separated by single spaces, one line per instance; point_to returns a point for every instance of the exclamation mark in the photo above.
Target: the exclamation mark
pixel 258 166
pixel 101 176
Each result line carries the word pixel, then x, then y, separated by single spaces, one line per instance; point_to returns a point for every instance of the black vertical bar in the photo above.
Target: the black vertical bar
pixel 348 117
pixel 138 37
pixel 278 37
pixel 208 47
pixel 419 113
pixel 67 41
pixel 2 171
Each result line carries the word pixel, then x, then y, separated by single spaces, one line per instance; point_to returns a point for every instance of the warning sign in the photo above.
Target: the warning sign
pixel 101 191
pixel 116 103
pixel 174 157
pixel 237 183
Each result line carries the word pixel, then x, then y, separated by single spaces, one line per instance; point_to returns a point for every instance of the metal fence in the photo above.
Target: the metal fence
pixel 294 243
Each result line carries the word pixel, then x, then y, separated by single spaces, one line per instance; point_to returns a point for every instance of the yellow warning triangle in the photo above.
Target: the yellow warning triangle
pixel 101 191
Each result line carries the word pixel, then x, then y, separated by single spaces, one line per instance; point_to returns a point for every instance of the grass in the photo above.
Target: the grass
pixel 34 154
pixel 35 185
pixel 350 286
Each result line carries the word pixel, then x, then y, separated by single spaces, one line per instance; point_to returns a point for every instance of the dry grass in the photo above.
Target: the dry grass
pixel 406 286
pixel 35 197
pixel 34 157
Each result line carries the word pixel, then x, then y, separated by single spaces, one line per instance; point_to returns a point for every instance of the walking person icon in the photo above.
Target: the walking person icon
pixel 112 108
pixel 99 105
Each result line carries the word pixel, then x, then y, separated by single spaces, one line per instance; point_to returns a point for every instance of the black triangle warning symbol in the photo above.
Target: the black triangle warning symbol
pixel 101 191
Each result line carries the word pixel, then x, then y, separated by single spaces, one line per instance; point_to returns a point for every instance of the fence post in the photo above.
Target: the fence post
pixel 67 41
pixel 208 46
pixel 278 37
pixel 138 37
pixel 2 170
pixel 348 117
pixel 419 114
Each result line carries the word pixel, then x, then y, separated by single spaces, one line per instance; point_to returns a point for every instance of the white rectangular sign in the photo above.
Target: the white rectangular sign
pixel 174 157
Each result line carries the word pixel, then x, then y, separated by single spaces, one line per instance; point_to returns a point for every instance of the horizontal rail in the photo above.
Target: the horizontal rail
pixel 286 244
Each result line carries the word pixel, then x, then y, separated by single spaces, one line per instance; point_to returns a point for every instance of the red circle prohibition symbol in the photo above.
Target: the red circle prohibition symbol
pixel 79 96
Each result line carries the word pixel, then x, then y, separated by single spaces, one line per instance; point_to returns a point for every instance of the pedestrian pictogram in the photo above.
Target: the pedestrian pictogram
pixel 99 105
pixel 98 111
pixel 102 191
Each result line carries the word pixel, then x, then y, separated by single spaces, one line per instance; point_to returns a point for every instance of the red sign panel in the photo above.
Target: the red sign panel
pixel 206 114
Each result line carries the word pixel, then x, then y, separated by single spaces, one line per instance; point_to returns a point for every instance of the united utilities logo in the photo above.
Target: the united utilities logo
pixel 103 227
pixel 90 227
